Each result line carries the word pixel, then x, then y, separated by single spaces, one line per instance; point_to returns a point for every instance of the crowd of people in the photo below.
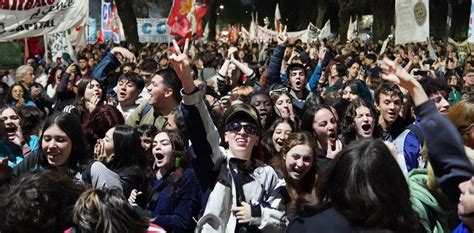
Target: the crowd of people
pixel 244 136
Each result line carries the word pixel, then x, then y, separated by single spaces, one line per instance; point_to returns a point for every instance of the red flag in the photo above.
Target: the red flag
pixel 179 24
pixel 100 37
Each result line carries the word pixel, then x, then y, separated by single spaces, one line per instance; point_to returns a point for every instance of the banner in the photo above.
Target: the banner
pixel 78 36
pixel 153 30
pixel 412 21
pixel 264 34
pixel 325 31
pixel 111 25
pixel 352 29
pixel 470 36
pixel 61 48
pixel 312 33
pixel 91 31
pixel 21 19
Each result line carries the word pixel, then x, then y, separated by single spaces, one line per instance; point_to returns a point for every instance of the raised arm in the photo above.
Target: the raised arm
pixel 445 149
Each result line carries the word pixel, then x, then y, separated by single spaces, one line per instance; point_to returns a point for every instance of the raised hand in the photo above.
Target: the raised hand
pixel 123 55
pixel 392 71
pixel 331 153
pixel 180 61
pixel 282 37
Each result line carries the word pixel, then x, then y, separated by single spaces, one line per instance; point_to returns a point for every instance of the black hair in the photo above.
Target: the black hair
pixel 128 150
pixel 347 120
pixel 388 88
pixel 171 80
pixel 134 78
pixel 367 186
pixel 149 65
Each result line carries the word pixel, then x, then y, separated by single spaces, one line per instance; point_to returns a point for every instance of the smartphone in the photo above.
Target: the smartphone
pixel 420 72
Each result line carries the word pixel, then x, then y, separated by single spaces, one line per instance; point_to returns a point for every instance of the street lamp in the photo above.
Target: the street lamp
pixel 221 7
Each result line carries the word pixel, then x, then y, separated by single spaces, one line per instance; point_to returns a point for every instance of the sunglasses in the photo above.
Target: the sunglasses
pixel 236 126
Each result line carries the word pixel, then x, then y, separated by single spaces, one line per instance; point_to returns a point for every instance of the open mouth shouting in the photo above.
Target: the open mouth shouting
pixel 366 130
pixel 11 131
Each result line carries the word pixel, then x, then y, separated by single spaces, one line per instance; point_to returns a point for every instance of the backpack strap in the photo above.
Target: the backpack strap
pixel 156 193
pixel 418 133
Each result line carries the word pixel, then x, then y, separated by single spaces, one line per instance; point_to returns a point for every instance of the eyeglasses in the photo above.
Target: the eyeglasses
pixel 282 89
pixel 236 126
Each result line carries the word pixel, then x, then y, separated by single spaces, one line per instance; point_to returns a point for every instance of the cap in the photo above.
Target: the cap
pixel 244 111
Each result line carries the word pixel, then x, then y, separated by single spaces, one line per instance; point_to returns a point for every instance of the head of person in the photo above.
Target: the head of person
pixel 241 129
pixel 17 92
pixel 164 88
pixel 282 101
pixel 129 87
pixel 296 74
pixel 100 120
pixel 82 60
pixel 370 59
pixel 128 67
pixel 354 89
pixel 147 133
pixel 353 68
pixel 62 142
pixel 88 88
pixel 436 89
pixel 123 148
pixel 335 69
pixel 39 202
pixel 54 76
pixel 31 119
pixel 297 153
pixel 278 132
pixel 25 75
pixel 468 77
pixel 367 186
pixel 263 103
pixel 462 116
pixel 106 210
pixel 321 122
pixel 148 69
pixel 454 80
pixel 13 121
pixel 36 90
pixel 360 121
pixel 388 101
pixel 170 151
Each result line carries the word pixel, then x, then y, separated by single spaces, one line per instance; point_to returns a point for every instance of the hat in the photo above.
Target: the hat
pixel 243 111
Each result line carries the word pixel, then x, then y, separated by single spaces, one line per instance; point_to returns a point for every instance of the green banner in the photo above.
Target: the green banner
pixel 10 55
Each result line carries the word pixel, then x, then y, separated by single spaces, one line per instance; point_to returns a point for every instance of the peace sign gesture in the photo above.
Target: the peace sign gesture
pixel 282 37
pixel 180 61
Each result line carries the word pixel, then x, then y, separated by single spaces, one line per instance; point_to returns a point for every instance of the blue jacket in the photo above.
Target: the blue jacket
pixel 175 212
pixel 445 150
pixel 108 64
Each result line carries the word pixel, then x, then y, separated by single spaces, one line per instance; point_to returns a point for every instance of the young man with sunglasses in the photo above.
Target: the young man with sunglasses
pixel 242 198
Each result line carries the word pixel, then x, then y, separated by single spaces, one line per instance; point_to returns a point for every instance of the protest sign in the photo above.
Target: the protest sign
pixel 413 21
pixel 325 31
pixel 264 34
pixel 21 19
pixel 91 31
pixel 111 25
pixel 312 33
pixel 153 30
pixel 60 45
pixel 470 36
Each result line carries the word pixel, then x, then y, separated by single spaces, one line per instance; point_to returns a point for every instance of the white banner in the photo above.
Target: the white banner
pixel 153 30
pixel 20 19
pixel 325 31
pixel 60 45
pixel 470 37
pixel 413 21
pixel 264 34
pixel 311 33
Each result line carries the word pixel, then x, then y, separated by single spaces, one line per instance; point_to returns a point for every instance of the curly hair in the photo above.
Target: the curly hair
pixel 39 202
pixel 348 126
